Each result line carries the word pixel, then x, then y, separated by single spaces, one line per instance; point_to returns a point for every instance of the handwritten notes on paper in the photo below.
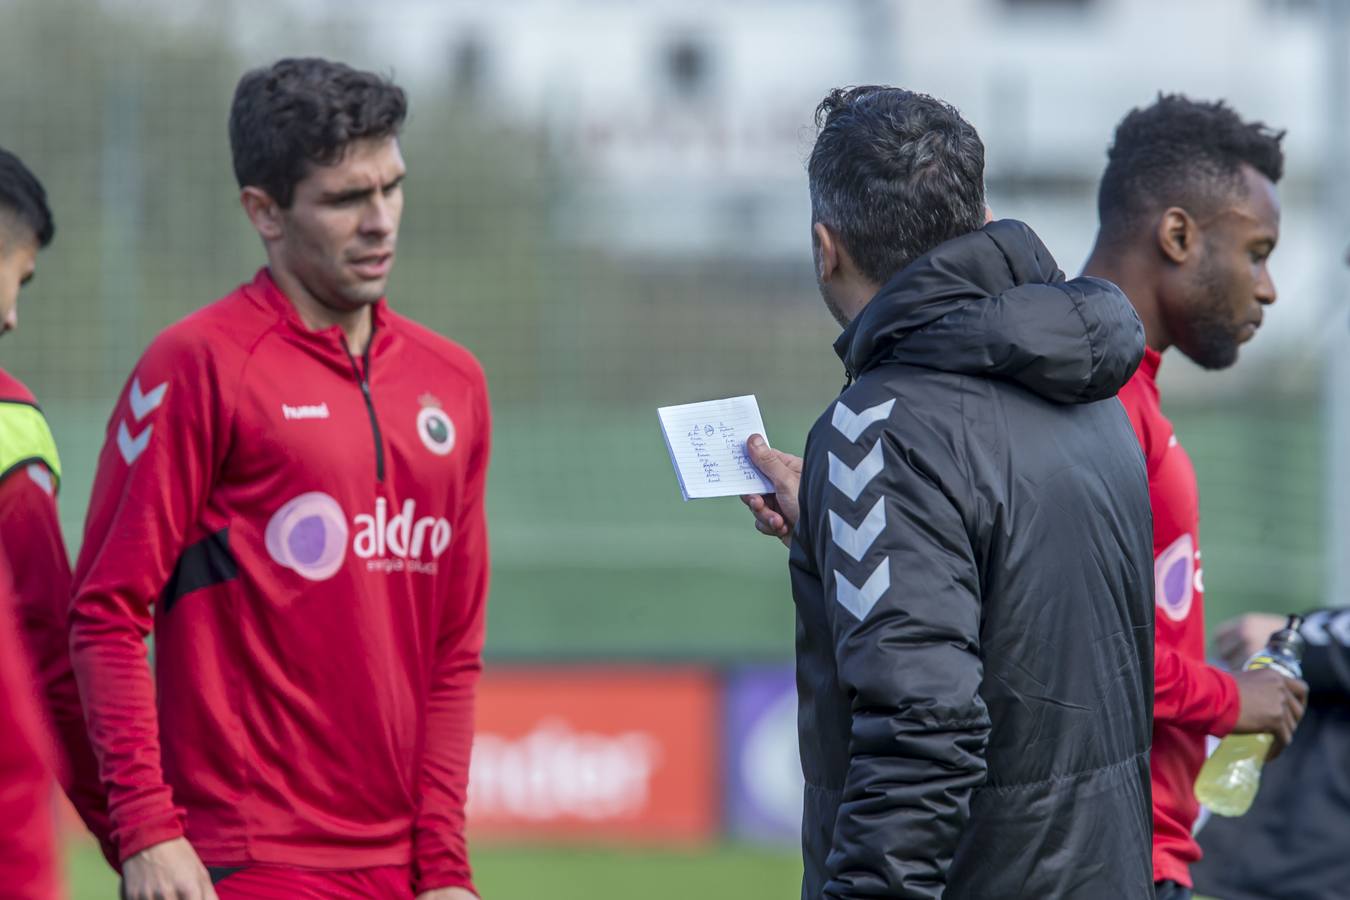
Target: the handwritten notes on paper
pixel 707 447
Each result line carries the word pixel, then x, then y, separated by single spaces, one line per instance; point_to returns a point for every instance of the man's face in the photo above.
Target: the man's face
pixel 1220 306
pixel 18 259
pixel 339 233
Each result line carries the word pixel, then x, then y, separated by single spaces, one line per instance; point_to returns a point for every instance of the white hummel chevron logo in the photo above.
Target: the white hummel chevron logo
pixel 851 425
pixel 857 541
pixel 1322 627
pixel 132 447
pixel 143 404
pixel 860 601
pixel 852 482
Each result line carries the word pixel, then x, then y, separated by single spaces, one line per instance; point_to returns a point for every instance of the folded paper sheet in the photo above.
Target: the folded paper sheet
pixel 707 447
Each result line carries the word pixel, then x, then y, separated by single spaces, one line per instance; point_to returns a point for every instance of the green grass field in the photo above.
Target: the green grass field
pixel 746 873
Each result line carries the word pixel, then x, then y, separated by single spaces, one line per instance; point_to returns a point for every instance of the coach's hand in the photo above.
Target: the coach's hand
pixel 775 514
pixel 448 893
pixel 1270 704
pixel 167 871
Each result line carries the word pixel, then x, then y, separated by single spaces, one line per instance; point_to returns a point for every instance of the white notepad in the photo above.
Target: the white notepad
pixel 707 447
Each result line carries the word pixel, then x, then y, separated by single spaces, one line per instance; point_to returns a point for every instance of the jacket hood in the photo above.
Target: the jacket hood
pixel 993 303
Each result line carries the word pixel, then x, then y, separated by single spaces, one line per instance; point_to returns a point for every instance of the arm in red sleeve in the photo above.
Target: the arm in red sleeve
pixel 30 532
pixel 154 474
pixel 1190 693
pixel 28 861
pixel 440 852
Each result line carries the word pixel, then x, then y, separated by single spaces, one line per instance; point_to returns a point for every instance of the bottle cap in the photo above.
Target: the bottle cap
pixel 1287 641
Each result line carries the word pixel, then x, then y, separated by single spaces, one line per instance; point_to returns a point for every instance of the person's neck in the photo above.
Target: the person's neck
pixel 355 323
pixel 854 296
pixel 1122 267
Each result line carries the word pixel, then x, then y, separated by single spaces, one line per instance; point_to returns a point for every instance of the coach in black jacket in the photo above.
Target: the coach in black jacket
pixel 972 566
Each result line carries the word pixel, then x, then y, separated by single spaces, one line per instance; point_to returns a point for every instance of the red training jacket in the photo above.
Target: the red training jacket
pixel 28 860
pixel 30 533
pixel 1191 698
pixel 305 531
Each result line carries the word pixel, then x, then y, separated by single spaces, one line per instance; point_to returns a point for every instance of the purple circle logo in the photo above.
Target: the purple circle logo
pixel 1174 579
pixel 308 535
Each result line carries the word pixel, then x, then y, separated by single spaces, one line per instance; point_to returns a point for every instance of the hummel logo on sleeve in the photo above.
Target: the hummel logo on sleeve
pixel 852 482
pixel 851 425
pixel 132 447
pixel 860 601
pixel 142 404
pixel 857 541
pixel 1324 626
pixel 39 475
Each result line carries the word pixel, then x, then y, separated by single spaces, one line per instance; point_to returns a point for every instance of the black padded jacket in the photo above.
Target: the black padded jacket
pixel 972 571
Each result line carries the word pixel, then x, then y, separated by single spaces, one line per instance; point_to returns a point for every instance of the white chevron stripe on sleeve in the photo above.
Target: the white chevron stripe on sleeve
pixel 860 601
pixel 851 425
pixel 142 404
pixel 1340 627
pixel 132 447
pixel 852 482
pixel 857 541
pixel 1314 629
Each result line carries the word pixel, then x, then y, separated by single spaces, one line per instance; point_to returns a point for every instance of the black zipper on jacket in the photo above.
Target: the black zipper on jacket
pixel 364 380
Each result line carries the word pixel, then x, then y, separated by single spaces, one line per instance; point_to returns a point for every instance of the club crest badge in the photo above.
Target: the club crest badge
pixel 434 427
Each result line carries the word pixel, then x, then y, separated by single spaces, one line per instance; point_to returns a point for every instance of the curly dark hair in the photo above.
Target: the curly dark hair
pixel 23 197
pixel 305 112
pixel 1181 152
pixel 894 173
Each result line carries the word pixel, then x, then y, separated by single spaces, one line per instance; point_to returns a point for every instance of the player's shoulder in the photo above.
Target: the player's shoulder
pixel 872 405
pixel 434 349
pixel 231 325
pixel 12 390
pixel 1139 397
pixel 25 436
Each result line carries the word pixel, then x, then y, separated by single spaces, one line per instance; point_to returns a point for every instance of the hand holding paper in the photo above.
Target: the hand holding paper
pixel 775 514
pixel 707 447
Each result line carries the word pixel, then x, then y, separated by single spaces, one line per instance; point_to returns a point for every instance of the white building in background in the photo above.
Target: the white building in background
pixel 688 122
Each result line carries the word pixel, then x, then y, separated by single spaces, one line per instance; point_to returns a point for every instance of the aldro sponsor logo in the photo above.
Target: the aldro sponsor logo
pixel 392 543
pixel 309 535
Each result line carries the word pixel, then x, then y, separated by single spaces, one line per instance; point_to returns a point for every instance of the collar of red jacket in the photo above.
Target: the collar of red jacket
pixel 265 288
pixel 1150 363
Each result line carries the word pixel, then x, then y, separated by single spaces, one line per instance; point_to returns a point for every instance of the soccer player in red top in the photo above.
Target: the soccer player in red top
pixel 28 859
pixel 291 497
pixel 30 529
pixel 1189 217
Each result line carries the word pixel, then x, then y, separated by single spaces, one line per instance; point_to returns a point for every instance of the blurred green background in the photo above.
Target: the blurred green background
pixel 121 107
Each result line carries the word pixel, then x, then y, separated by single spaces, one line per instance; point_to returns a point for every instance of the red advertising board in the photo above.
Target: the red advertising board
pixel 614 754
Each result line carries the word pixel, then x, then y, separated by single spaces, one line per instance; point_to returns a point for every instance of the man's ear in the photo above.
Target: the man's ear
pixel 1178 235
pixel 263 212
pixel 827 252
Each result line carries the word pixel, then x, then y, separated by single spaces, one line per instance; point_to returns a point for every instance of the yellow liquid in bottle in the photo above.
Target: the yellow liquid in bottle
pixel 1230 777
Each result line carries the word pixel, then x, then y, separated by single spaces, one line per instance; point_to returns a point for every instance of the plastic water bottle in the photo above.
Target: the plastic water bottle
pixel 1230 777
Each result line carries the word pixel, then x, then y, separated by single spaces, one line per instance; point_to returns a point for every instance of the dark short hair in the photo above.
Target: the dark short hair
pixel 894 173
pixel 300 113
pixel 1181 152
pixel 23 197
